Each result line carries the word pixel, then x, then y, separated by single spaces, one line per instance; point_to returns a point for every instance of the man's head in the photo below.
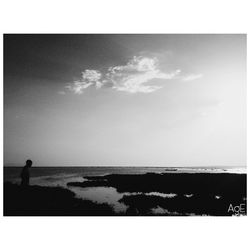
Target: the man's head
pixel 29 163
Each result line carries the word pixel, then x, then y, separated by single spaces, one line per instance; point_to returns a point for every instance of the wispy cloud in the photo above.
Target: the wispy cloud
pixel 89 77
pixel 134 77
pixel 191 77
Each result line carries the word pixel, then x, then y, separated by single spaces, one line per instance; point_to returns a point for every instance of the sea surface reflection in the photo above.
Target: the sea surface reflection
pixel 107 195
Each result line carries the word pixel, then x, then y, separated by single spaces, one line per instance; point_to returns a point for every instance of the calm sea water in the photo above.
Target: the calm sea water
pixel 12 173
pixel 59 176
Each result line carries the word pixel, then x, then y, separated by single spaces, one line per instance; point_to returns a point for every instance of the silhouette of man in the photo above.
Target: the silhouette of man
pixel 25 174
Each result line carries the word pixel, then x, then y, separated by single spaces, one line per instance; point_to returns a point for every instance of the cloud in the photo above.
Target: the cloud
pixel 89 77
pixel 133 76
pixel 191 77
pixel 136 76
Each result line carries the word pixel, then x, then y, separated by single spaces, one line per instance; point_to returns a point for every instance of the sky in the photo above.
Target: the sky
pixel 125 100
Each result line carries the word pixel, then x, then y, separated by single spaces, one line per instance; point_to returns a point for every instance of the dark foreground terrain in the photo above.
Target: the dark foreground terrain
pixel 195 194
pixel 222 194
pixel 37 200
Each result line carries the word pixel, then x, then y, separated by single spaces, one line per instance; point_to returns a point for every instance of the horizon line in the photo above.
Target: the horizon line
pixel 193 166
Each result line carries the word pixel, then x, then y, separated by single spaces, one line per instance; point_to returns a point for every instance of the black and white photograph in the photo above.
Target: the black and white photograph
pixel 124 124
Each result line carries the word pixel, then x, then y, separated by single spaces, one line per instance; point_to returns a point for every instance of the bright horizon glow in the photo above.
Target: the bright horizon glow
pixel 125 100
